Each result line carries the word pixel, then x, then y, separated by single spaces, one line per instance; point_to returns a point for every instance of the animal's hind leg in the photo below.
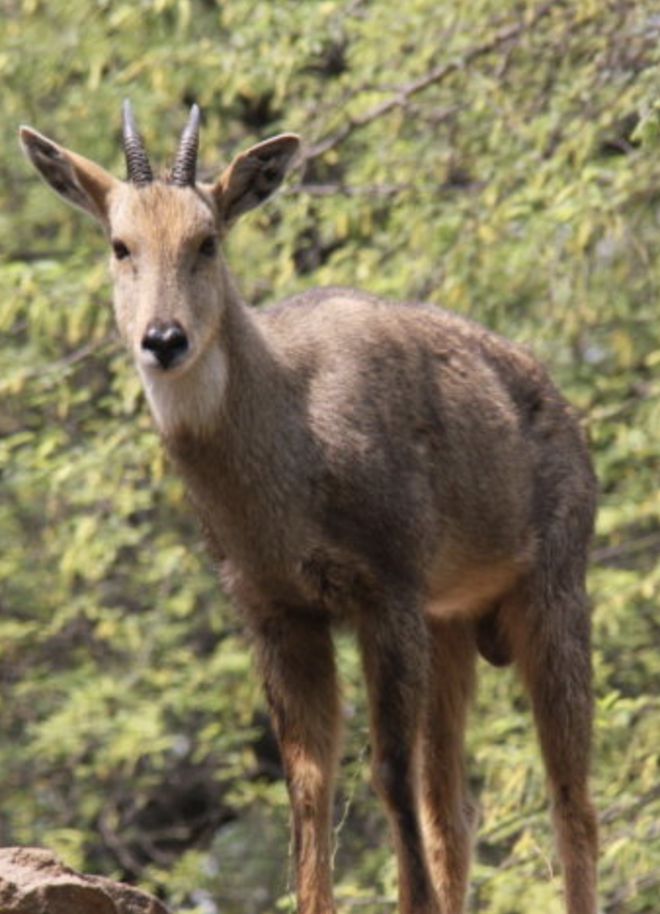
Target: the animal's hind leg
pixel 447 811
pixel 551 643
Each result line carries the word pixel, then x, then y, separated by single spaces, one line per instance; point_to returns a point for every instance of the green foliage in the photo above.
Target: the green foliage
pixel 500 158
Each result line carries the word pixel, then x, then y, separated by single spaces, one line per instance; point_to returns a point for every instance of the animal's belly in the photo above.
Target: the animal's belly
pixel 469 590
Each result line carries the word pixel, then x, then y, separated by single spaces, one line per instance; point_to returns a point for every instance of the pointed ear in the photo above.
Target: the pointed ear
pixel 254 175
pixel 79 181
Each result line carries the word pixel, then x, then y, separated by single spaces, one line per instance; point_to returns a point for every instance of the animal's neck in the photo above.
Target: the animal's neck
pixel 227 442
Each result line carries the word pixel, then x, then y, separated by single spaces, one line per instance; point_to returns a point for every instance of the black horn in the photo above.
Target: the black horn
pixel 185 164
pixel 137 162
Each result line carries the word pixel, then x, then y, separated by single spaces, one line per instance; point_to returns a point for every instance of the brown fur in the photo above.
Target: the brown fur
pixel 391 466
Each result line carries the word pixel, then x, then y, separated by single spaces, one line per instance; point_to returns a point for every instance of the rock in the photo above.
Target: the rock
pixel 34 881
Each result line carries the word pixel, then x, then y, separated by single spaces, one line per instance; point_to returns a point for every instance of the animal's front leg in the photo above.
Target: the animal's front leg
pixel 297 662
pixel 395 653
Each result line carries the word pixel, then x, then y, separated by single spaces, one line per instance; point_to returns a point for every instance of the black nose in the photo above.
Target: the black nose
pixel 167 341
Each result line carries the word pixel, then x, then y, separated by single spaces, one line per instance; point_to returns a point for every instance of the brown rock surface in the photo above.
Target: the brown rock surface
pixel 34 881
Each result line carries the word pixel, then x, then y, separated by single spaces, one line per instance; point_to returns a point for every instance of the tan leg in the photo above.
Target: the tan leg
pixel 551 645
pixel 297 662
pixel 447 812
pixel 395 656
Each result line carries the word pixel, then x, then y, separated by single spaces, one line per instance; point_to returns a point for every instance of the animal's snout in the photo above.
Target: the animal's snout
pixel 167 341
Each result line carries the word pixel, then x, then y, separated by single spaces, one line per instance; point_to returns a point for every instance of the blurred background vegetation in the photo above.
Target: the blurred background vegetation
pixel 501 157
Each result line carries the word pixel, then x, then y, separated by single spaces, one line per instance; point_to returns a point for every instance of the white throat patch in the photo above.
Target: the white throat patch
pixel 189 401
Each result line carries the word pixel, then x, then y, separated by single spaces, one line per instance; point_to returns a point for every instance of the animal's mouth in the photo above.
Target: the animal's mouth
pixel 164 364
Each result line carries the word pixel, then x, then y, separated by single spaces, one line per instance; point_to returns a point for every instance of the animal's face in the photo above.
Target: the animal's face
pixel 170 281
pixel 168 274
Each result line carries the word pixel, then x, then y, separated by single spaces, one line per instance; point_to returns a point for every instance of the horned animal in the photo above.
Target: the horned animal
pixel 392 467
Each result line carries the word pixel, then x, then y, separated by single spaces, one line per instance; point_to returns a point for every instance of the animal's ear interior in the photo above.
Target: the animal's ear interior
pixel 254 175
pixel 80 182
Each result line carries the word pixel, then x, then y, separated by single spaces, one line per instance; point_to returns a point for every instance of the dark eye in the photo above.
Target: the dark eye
pixel 120 250
pixel 209 246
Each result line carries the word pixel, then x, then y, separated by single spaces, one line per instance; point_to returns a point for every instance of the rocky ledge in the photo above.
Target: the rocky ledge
pixel 34 881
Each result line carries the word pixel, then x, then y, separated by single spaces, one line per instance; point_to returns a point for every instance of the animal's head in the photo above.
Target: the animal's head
pixel 170 281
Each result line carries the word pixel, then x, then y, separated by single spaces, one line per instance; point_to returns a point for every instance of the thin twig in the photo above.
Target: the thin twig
pixel 630 547
pixel 59 366
pixel 331 189
pixel 629 809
